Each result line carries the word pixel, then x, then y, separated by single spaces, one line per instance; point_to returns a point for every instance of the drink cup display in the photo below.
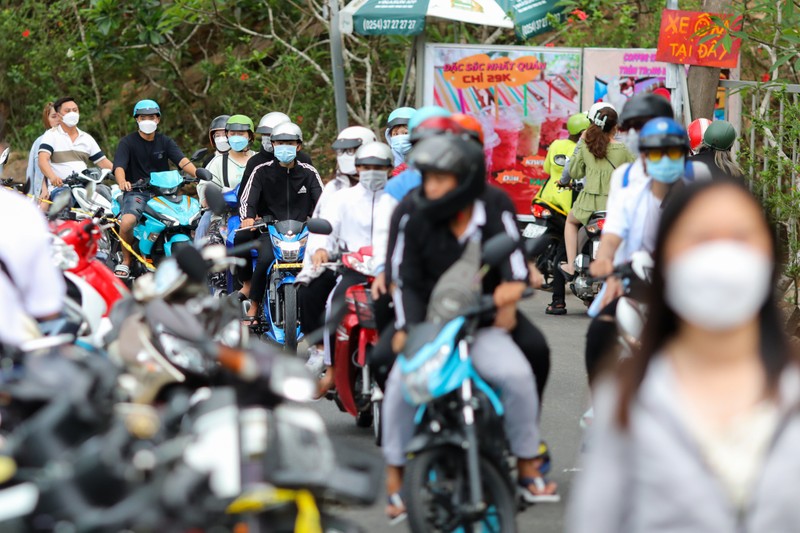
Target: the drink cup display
pixel 507 127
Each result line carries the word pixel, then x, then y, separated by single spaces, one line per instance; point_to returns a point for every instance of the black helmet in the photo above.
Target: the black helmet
pixel 457 155
pixel 218 123
pixel 644 106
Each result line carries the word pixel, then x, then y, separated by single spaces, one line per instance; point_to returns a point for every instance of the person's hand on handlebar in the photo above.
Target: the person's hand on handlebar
pixel 319 257
pixel 601 268
pixel 248 223
pixel 614 289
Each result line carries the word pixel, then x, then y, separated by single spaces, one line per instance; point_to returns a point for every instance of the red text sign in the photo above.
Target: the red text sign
pixel 694 38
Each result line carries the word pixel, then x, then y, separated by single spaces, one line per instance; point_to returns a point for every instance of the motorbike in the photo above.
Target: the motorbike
pixel 222 231
pixel 458 476
pixel 588 243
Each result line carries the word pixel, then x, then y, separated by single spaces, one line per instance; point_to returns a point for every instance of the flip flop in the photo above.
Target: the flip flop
pixel 396 501
pixel 540 482
pixel 122 271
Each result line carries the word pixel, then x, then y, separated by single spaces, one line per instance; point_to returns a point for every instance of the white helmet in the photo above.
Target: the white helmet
pixel 595 109
pixel 287 131
pixel 270 120
pixel 353 137
pixel 375 153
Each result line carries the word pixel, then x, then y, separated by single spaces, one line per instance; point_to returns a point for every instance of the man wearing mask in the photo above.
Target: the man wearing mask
pixel 397 136
pixel 138 155
pixel 282 188
pixel 66 149
pixel 352 213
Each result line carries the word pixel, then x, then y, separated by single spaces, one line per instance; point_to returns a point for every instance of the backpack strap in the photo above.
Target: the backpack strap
pixel 626 178
pixel 225 170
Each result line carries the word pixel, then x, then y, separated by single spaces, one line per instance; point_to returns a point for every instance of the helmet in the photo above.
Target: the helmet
pixel 353 137
pixel 424 113
pixel 399 117
pixel 239 123
pixel 270 120
pixel 375 153
pixel 449 153
pixel 218 123
pixel 662 132
pixel 471 125
pixel 644 106
pixel 595 109
pixel 435 126
pixel 696 131
pixel 287 131
pixel 577 123
pixel 664 93
pixel 146 107
pixel 720 135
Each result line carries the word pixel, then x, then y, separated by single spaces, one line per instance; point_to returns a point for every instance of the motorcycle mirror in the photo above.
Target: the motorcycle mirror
pixel 319 226
pixel 4 156
pixel 215 200
pixel 191 262
pixel 59 204
pixel 203 174
pixel 498 249
pixel 560 160
pixel 198 155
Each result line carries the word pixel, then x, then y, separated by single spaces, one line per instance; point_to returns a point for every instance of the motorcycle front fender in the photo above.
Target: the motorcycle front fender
pixel 172 241
pixel 427 440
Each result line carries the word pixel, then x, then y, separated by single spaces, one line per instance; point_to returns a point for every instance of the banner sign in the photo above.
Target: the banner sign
pixel 615 74
pixel 522 96
pixel 693 38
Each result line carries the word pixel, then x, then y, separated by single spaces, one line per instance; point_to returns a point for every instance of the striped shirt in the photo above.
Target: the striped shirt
pixel 67 156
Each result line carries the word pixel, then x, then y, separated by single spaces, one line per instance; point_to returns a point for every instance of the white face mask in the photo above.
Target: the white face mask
pixel 373 180
pixel 266 143
pixel 71 119
pixel 347 164
pixel 719 285
pixel 148 126
pixel 222 144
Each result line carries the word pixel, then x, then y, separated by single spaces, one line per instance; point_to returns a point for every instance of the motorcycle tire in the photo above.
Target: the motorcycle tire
pixel 290 318
pixel 447 465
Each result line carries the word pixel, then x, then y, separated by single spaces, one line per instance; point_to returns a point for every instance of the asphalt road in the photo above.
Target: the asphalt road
pixel 566 398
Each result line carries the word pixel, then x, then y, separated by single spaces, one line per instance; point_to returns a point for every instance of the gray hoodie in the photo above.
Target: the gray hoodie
pixel 654 479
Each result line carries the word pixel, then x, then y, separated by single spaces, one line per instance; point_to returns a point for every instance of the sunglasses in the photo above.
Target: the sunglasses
pixel 673 152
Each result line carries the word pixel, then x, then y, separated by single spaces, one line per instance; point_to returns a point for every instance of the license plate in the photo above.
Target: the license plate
pixel 288 266
pixel 595 247
pixel 533 231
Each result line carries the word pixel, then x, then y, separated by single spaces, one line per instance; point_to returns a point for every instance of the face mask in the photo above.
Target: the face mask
pixel 401 144
pixel 238 142
pixel 373 180
pixel 718 285
pixel 222 144
pixel 266 144
pixel 346 164
pixel 148 126
pixel 666 170
pixel 285 153
pixel 71 119
pixel 630 139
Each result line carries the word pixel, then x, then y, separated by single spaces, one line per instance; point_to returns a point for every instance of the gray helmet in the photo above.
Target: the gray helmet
pixel 353 137
pixel 270 120
pixel 218 123
pixel 375 153
pixel 286 131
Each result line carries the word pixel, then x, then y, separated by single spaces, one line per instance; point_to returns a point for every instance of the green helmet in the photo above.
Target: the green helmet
pixel 240 123
pixel 720 135
pixel 577 123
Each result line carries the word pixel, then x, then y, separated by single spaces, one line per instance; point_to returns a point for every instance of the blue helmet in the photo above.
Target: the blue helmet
pixel 400 117
pixel 424 113
pixel 146 107
pixel 662 132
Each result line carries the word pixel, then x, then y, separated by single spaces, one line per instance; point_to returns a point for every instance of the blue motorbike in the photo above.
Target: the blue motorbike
pixel 222 231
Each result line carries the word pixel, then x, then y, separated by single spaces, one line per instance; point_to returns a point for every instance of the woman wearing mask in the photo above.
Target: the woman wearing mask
pixel 217 138
pixel 597 158
pixel 397 136
pixel 700 429
pixel 35 179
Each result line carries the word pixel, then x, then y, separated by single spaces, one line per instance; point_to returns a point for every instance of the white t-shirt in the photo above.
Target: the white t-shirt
pixel 634 219
pixel 38 285
pixel 235 173
pixel 67 156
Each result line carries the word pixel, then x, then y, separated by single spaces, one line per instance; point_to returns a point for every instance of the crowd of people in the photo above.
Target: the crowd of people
pixel 695 432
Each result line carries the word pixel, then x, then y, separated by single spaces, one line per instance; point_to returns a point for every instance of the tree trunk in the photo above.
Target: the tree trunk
pixel 703 81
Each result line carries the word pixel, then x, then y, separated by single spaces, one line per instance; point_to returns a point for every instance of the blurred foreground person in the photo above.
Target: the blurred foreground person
pixel 699 431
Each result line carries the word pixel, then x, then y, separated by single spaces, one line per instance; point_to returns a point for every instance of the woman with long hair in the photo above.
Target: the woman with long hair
pixel 699 430
pixel 596 158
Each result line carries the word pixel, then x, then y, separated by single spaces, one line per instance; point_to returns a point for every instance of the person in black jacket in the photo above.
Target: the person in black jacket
pixel 283 188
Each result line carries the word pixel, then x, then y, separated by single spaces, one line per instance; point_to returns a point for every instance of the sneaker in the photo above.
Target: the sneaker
pixel 316 361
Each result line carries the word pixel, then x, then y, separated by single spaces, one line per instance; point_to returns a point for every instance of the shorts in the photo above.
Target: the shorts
pixel 133 203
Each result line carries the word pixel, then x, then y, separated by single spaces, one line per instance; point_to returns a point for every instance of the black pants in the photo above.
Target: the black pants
pixel 559 283
pixel 601 338
pixel 312 298
pixel 258 275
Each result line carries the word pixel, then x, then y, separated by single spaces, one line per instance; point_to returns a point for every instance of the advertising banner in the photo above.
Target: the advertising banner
pixel 522 96
pixel 694 38
pixel 614 74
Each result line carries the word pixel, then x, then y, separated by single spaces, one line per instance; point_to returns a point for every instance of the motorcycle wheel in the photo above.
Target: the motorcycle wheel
pixel 290 318
pixel 432 504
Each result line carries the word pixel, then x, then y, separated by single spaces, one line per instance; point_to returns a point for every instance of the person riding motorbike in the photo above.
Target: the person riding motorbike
pixel 217 138
pixel 138 155
pixel 36 180
pixel 227 168
pixel 715 150
pixel 351 212
pixel 455 205
pixel 560 199
pixel 397 136
pixel 282 188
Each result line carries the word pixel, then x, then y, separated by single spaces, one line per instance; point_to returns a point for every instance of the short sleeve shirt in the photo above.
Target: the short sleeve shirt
pixel 68 156
pixel 139 157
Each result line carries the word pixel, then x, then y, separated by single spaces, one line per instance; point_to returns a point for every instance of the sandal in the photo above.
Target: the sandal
pixel 545 491
pixel 556 308
pixel 396 503
pixel 251 321
pixel 122 271
pixel 567 275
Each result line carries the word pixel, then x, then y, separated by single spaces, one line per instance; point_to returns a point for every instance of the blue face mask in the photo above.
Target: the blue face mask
pixel 285 153
pixel 238 142
pixel 401 144
pixel 666 170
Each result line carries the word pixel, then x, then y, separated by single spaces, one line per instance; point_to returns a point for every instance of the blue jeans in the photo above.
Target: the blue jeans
pixel 202 228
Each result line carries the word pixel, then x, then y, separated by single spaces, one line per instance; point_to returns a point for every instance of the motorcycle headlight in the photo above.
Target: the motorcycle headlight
pixel 63 255
pixel 290 251
pixel 416 382
pixel 183 354
pixel 231 334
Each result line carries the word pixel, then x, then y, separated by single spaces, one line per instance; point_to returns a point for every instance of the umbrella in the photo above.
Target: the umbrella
pixel 407 17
